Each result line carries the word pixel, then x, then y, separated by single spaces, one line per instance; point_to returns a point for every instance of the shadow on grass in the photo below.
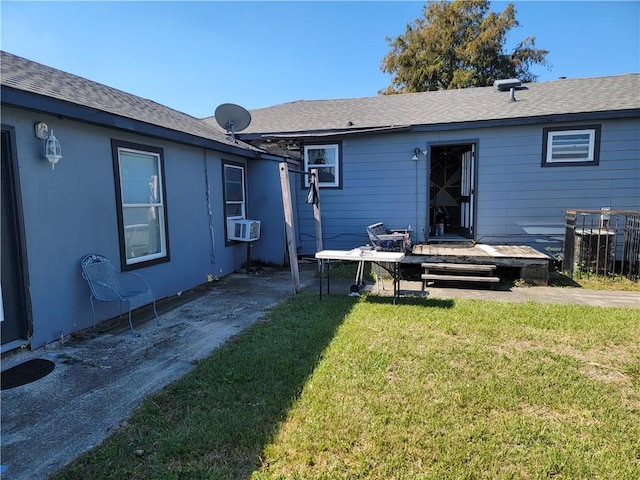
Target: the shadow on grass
pixel 216 421
pixel 413 300
pixel 557 279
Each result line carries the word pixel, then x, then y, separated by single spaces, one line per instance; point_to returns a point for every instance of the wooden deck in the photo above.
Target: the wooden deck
pixel 533 264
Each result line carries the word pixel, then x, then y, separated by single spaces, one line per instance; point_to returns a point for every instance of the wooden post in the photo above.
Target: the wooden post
pixel 288 221
pixel 313 180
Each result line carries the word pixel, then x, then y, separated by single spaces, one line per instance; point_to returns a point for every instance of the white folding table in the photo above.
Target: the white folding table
pixel 359 255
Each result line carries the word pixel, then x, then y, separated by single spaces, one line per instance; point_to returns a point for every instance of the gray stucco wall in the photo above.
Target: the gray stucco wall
pixel 518 200
pixel 71 211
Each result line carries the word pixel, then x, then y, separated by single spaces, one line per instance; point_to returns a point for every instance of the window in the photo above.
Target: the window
pixel 326 159
pixel 235 204
pixel 571 146
pixel 141 204
pixel 234 199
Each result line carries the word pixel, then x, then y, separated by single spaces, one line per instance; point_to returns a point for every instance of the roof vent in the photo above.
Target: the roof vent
pixel 507 84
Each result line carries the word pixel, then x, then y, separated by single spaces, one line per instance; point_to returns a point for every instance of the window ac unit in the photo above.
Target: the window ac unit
pixel 244 230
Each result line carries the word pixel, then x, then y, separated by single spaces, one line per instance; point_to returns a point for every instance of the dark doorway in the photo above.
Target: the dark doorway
pixel 452 191
pixel 14 306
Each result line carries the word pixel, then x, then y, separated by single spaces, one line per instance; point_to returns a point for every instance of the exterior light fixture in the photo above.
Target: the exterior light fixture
pixel 52 148
pixel 417 152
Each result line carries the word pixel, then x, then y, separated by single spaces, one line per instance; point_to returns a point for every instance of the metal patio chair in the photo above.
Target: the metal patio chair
pixel 109 285
pixel 383 239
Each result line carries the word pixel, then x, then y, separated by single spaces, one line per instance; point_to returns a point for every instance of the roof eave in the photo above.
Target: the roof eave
pixel 325 133
pixel 497 122
pixel 41 103
pixel 539 119
pixel 489 123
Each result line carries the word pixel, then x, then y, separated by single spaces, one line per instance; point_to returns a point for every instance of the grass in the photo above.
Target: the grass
pixel 357 388
pixel 556 279
pixel 477 390
pixel 594 282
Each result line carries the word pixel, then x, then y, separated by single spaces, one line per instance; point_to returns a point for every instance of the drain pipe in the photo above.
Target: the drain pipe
pixel 417 204
pixel 212 237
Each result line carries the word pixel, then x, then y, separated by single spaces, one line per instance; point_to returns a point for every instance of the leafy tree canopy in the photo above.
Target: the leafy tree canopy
pixel 458 44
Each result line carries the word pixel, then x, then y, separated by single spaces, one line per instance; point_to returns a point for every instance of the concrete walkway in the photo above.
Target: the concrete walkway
pixel 98 381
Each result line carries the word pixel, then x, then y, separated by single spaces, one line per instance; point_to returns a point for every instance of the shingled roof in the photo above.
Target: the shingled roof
pixel 588 97
pixel 30 77
pixel 598 97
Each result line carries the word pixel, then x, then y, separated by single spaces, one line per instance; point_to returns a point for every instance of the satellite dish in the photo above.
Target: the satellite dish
pixel 233 118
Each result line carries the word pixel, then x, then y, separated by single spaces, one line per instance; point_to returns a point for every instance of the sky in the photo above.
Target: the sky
pixel 194 56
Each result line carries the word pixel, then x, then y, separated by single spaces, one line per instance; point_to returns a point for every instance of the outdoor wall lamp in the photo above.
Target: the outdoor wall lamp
pixel 417 152
pixel 52 148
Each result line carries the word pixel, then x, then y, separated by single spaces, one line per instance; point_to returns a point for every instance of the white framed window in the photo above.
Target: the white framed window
pixel 326 159
pixel 141 201
pixel 235 204
pixel 234 196
pixel 571 146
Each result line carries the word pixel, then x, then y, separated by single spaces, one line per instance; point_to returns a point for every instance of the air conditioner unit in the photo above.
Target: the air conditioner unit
pixel 244 230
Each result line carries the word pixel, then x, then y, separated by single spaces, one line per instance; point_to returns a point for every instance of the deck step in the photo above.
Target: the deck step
pixel 458 267
pixel 458 272
pixel 459 278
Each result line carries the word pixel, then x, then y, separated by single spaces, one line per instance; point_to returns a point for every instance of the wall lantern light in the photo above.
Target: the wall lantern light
pixel 52 148
pixel 417 152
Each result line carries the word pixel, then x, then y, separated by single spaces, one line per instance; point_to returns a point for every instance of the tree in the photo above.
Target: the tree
pixel 458 44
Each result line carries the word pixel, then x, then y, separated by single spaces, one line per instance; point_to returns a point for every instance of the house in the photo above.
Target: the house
pixel 147 186
pixel 156 190
pixel 501 163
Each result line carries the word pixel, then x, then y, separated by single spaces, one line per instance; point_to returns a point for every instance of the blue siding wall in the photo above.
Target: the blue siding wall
pixel 518 200
pixel 381 183
pixel 265 204
pixel 71 211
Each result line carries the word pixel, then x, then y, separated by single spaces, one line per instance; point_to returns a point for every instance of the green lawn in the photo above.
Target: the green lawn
pixel 352 388
pixel 594 282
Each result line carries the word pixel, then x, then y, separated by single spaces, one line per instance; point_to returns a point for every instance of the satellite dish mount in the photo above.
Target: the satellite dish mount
pixel 233 118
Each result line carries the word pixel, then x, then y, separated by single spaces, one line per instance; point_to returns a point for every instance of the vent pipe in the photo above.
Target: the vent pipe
pixel 512 95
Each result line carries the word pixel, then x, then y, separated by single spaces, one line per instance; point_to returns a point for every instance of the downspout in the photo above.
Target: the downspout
pixel 212 253
pixel 427 173
pixel 417 204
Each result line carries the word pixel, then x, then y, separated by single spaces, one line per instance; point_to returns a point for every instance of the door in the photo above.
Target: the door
pixel 467 193
pixel 452 190
pixel 13 315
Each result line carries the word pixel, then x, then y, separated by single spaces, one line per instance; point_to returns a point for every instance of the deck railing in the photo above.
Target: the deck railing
pixel 602 242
